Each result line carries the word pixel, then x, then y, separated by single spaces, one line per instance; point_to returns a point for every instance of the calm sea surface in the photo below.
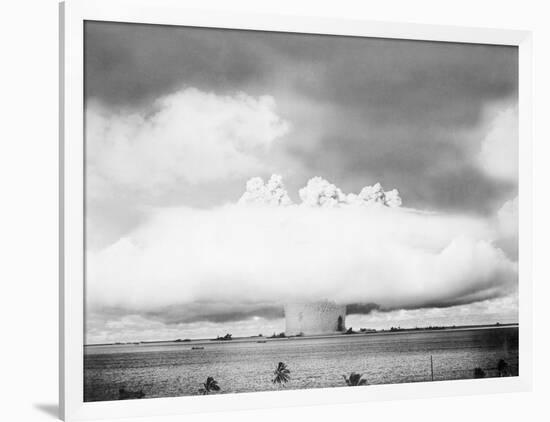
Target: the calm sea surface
pixel 175 369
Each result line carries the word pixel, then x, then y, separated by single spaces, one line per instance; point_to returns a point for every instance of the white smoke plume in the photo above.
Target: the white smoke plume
pixel 271 193
pixel 375 195
pixel 319 192
pixel 254 255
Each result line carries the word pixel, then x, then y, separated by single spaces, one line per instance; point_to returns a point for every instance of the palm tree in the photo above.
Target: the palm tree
pixel 355 380
pixel 282 374
pixel 210 385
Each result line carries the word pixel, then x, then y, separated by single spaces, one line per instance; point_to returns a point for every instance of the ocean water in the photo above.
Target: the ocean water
pixel 175 369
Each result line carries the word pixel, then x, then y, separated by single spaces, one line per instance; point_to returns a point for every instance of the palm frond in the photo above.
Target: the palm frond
pixel 282 374
pixel 210 385
pixel 355 380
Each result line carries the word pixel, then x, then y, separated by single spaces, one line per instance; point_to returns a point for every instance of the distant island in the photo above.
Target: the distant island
pixel 282 335
pixel 227 337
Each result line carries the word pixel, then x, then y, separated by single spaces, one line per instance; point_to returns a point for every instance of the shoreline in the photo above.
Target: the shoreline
pixel 256 339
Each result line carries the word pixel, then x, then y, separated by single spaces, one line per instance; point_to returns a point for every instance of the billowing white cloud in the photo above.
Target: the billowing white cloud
pixel 271 193
pixel 508 218
pixel 375 195
pixel 499 150
pixel 320 192
pixel 189 137
pixel 507 221
pixel 245 255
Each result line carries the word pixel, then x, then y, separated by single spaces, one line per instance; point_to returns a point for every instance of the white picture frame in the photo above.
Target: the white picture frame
pixel 73 14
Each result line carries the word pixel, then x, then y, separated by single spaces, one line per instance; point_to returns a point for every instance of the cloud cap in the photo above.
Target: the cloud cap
pixel 256 256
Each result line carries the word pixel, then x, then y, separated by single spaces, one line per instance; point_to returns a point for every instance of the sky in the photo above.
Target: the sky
pixel 179 119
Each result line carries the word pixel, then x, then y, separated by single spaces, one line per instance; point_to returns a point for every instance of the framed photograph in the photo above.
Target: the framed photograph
pixel 263 211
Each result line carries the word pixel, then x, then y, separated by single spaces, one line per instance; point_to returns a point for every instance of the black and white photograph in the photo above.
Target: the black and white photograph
pixel 274 211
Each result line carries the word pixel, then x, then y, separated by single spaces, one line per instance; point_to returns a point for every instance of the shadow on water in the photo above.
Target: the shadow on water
pixel 51 409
